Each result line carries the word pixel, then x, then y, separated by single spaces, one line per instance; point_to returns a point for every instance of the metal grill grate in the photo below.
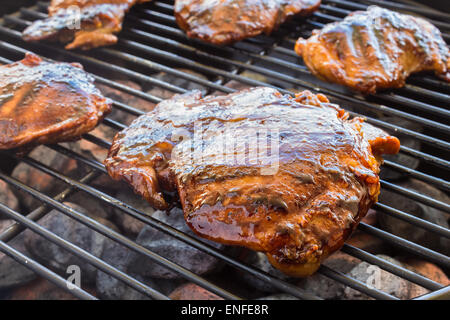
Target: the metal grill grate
pixel 152 43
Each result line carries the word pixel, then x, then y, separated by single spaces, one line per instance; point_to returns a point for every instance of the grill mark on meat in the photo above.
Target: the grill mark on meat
pixel 375 49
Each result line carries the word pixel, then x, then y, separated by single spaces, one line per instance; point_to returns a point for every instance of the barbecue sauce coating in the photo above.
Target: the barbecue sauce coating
pixel 325 180
pixel 85 24
pixel 375 49
pixel 226 21
pixel 47 102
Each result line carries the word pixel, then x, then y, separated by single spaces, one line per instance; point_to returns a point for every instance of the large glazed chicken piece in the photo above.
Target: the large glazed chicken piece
pixel 226 21
pixel 85 24
pixel 291 177
pixel 375 49
pixel 46 102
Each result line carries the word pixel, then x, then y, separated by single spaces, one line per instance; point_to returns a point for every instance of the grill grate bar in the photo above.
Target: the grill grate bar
pixel 398 189
pixel 355 284
pixel 397 6
pixel 162 226
pixel 237 66
pixel 412 247
pixel 177 32
pixel 150 50
pixel 438 182
pixel 413 219
pixel 421 10
pixel 372 106
pixel 426 157
pixel 392 211
pixel 92 191
pixel 100 228
pixel 43 271
pixel 428 201
pixel 442 294
pixel 392 268
pixel 14 229
pixel 423 138
pixel 98 194
pixel 120 126
pixel 129 90
pixel 83 254
pixel 416 196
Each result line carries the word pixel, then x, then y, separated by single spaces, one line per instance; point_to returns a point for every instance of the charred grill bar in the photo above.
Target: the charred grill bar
pixel 151 42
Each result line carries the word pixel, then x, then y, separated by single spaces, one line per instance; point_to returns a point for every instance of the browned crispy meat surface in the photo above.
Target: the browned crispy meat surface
pixel 375 49
pixel 46 102
pixel 85 24
pixel 226 21
pixel 291 177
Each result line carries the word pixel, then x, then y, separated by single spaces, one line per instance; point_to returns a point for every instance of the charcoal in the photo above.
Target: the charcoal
pixel 78 234
pixel 279 296
pixel 4 224
pixel 43 182
pixel 378 279
pixel 167 286
pixel 127 99
pixel 172 249
pixel 41 289
pixel 191 291
pixel 95 207
pixel 176 81
pixel 409 231
pixel 428 270
pixel 233 84
pixel 365 241
pixel 8 198
pixel 126 222
pixel 325 287
pixel 12 273
pixel 260 261
pixel 93 151
pixel 109 287
pixel 368 242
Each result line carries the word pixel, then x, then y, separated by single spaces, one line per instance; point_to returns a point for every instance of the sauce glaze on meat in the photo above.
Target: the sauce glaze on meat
pixel 47 102
pixel 226 21
pixel 375 49
pixel 85 24
pixel 297 202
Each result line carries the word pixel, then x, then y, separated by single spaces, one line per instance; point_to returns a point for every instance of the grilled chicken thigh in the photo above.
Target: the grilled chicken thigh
pixel 85 24
pixel 226 21
pixel 46 102
pixel 375 49
pixel 291 177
